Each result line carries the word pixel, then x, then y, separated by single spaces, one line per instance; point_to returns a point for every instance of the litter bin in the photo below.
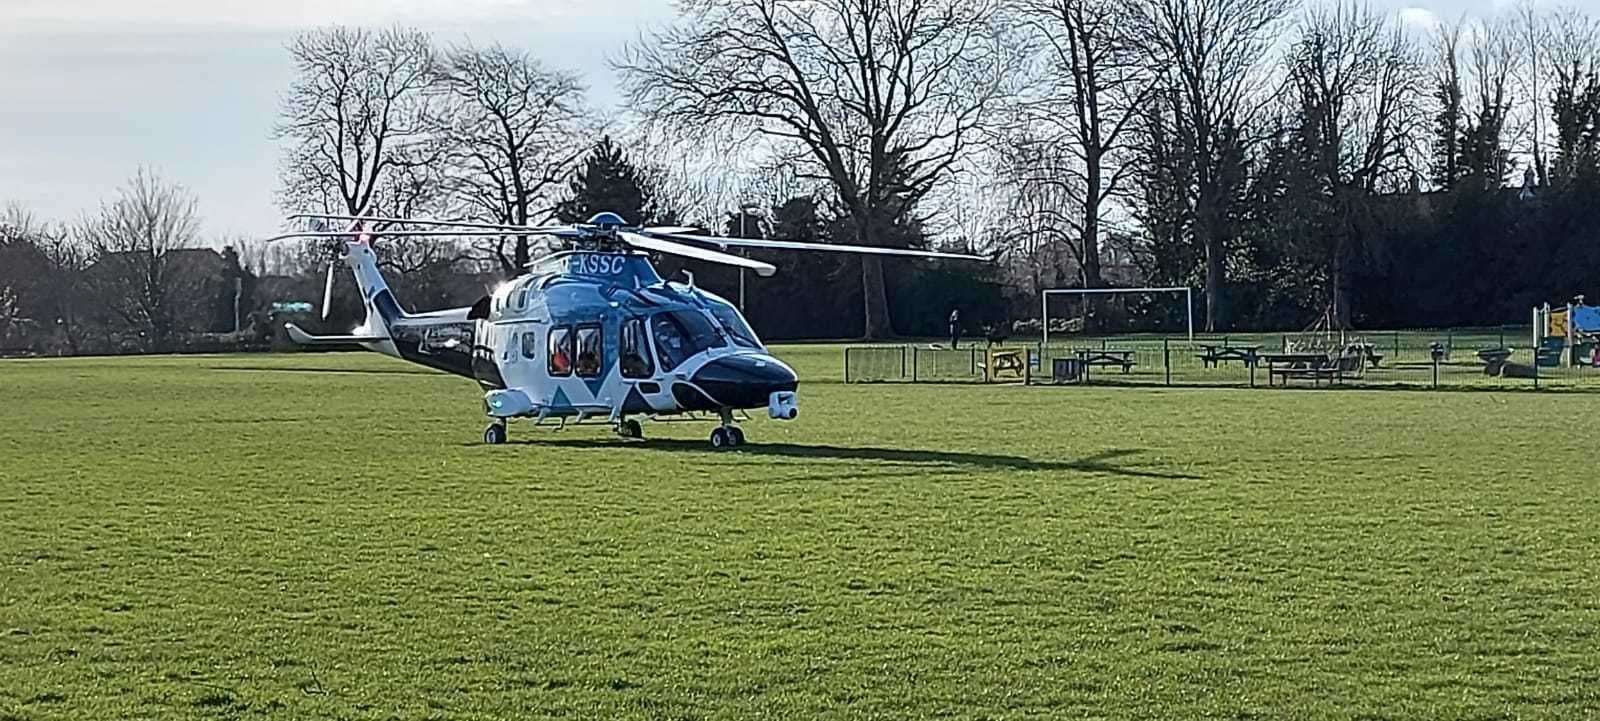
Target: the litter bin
pixel 1066 370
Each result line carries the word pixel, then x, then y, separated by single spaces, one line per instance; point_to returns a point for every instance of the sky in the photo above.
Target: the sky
pixel 93 90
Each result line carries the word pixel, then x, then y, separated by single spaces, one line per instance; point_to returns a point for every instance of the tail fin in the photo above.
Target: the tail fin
pixel 383 311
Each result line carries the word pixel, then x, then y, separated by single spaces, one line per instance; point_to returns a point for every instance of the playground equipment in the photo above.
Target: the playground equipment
pixel 1572 331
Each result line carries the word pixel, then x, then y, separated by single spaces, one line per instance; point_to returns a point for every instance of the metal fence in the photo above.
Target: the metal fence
pixel 1494 358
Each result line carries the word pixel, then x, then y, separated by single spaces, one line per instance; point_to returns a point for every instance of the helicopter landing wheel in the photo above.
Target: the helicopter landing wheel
pixel 725 437
pixel 495 434
pixel 630 429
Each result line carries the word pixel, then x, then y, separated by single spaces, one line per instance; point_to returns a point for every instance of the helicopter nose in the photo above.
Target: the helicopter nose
pixel 745 381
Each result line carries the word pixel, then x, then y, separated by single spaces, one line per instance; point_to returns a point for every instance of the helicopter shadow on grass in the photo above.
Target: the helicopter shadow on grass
pixel 1108 462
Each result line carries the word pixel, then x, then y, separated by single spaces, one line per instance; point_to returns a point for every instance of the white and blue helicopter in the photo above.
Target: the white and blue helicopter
pixel 590 333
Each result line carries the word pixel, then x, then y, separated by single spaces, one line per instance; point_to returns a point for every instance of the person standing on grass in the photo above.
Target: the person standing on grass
pixel 955 327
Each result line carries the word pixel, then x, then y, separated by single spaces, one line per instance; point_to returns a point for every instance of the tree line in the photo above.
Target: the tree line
pixel 1298 163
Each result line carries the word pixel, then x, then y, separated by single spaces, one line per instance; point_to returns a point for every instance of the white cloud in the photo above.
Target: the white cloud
pixel 1419 18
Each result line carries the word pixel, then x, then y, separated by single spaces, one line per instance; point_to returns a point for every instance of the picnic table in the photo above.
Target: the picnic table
pixel 1296 365
pixel 1006 361
pixel 1218 354
pixel 1107 357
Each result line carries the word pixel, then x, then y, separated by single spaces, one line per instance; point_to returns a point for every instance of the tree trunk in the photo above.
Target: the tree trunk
pixel 875 299
pixel 522 256
pixel 1093 304
pixel 1213 282
pixel 1340 300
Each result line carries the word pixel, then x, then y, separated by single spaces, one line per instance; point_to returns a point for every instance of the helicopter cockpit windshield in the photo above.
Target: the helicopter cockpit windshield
pixel 681 334
pixel 737 330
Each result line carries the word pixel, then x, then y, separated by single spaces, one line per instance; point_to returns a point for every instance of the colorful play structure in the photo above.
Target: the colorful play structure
pixel 1570 333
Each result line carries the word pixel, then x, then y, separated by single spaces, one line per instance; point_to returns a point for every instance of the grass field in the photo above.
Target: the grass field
pixel 324 537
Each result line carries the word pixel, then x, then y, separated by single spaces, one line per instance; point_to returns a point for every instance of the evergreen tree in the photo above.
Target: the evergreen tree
pixel 608 182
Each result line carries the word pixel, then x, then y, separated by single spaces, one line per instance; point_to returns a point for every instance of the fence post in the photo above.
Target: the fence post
pixel 972 363
pixel 1285 346
pixel 1166 358
pixel 1536 363
pixel 1503 338
pixel 916 353
pixel 1396 358
pixel 902 362
pixel 847 366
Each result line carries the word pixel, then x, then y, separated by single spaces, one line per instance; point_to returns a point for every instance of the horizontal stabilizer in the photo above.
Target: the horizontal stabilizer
pixel 303 338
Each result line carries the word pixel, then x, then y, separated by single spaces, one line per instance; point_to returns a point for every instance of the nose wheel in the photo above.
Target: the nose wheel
pixel 495 434
pixel 630 429
pixel 724 437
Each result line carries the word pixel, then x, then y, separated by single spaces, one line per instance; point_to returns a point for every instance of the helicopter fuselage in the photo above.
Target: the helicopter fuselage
pixel 595 335
pixel 589 333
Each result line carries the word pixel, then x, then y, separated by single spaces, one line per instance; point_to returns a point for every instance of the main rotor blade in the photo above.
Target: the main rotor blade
pixel 531 229
pixel 662 245
pixel 670 230
pixel 828 247
pixel 410 234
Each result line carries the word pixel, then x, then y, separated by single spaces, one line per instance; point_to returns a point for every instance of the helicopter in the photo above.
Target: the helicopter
pixel 591 333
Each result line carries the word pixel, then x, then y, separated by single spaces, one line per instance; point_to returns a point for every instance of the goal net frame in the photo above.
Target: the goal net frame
pixel 1044 301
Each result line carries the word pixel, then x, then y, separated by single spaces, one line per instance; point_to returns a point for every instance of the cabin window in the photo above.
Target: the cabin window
pixel 635 354
pixel 589 351
pixel 522 297
pixel 561 351
pixel 530 345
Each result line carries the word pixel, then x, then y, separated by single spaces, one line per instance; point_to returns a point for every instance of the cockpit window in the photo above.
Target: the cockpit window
pixel 735 326
pixel 682 333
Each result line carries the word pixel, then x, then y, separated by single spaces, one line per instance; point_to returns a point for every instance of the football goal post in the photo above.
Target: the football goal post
pixel 1044 302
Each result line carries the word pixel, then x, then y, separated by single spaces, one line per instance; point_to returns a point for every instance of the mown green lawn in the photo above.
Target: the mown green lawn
pixel 323 536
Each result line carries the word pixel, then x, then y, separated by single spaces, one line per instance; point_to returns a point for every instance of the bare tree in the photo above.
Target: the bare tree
pixel 1356 81
pixel 137 272
pixel 878 97
pixel 1208 54
pixel 1533 35
pixel 359 109
pixel 1045 196
pixel 1574 60
pixel 516 130
pixel 1099 82
pixel 1492 57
